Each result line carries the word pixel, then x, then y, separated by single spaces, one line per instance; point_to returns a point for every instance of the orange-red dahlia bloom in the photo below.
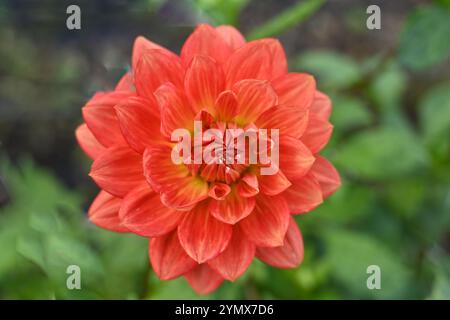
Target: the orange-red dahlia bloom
pixel 208 221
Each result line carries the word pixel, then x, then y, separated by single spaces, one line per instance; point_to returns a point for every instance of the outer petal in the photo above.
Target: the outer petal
pixel 154 68
pixel 143 213
pixel 327 176
pixel 87 142
pixel 203 236
pixel 317 134
pixel 205 40
pixel 179 189
pixel 273 184
pixel 254 97
pixel 260 59
pixel 139 120
pixel 304 195
pixel 295 158
pixel 118 170
pixel 288 120
pixel 125 83
pixel 233 208
pixel 267 225
pixel 321 105
pixel 175 110
pixel 231 36
pixel 295 89
pixel 203 82
pixel 104 212
pixel 168 258
pixel 203 279
pixel 141 45
pixel 101 118
pixel 236 258
pixel 290 254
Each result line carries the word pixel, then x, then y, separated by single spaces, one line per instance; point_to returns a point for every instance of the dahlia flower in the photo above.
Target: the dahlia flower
pixel 207 221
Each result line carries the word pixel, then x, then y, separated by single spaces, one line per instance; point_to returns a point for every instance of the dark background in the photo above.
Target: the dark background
pixel 391 95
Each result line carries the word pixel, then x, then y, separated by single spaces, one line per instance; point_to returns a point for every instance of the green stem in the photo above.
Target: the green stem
pixel 287 19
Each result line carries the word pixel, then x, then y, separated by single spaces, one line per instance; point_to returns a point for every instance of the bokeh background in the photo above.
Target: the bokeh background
pixel 391 94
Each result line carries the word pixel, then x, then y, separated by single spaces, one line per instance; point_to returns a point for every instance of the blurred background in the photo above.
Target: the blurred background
pixel 391 95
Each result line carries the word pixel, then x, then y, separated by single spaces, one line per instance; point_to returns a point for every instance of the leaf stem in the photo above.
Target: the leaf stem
pixel 286 19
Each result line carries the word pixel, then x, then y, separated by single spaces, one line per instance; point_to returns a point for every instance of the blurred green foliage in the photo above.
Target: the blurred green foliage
pixel 391 145
pixel 424 41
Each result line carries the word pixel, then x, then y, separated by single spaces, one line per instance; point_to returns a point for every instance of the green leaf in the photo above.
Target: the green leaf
pixel 388 87
pixel 409 188
pixel 350 253
pixel 125 257
pixel 434 109
pixel 349 112
pixel 62 251
pixel 32 248
pixel 350 203
pixel 382 153
pixel 333 70
pixel 175 289
pixel 425 41
pixel 441 287
pixel 35 197
pixel 287 19
pixel 8 251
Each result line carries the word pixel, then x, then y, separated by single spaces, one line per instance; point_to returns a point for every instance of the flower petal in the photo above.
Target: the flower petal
pixel 236 258
pixel 295 158
pixel 248 185
pixel 260 59
pixel 226 106
pixel 118 170
pixel 101 119
pixel 288 120
pixel 219 191
pixel 273 184
pixel 321 105
pixel 295 89
pixel 87 142
pixel 154 68
pixel 254 97
pixel 203 82
pixel 317 133
pixel 159 169
pixel 179 189
pixel 139 121
pixel 304 195
pixel 203 279
pixel 176 112
pixel 231 36
pixel 205 40
pixel 191 191
pixel 203 236
pixel 290 254
pixel 104 212
pixel 327 176
pixel 143 213
pixel 233 208
pixel 142 45
pixel 267 225
pixel 168 258
pixel 125 83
